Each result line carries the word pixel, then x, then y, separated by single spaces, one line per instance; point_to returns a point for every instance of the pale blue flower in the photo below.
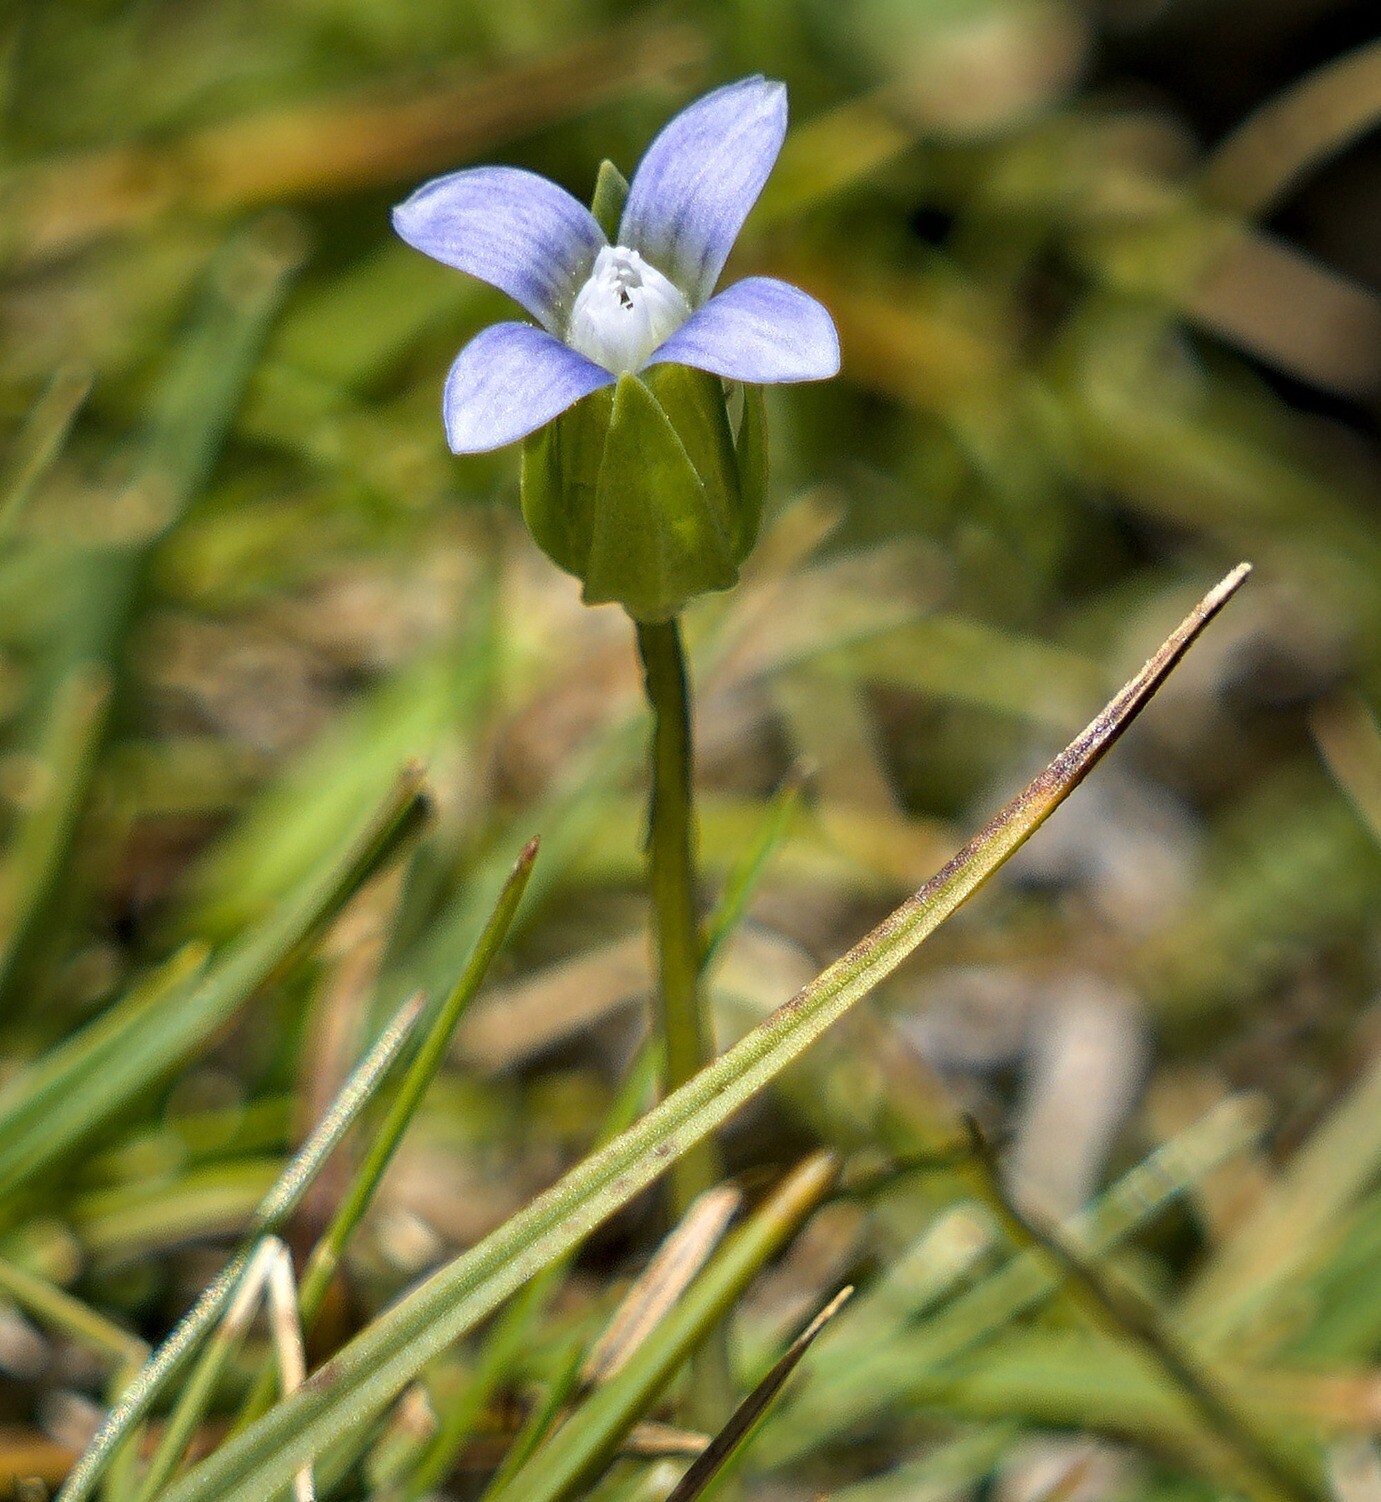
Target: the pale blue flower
pixel 608 309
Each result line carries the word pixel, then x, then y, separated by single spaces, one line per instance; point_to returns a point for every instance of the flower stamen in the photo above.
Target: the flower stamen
pixel 624 311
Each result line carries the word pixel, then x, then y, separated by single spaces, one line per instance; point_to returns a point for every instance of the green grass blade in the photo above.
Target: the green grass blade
pixel 1293 1227
pixel 706 1468
pixel 577 1454
pixel 743 879
pixel 1262 1467
pixel 40 442
pixel 566 816
pixel 559 1393
pixel 192 411
pixel 34 1099
pixel 950 657
pixel 421 1072
pixel 383 1358
pixel 503 1346
pixel 128 1222
pixel 325 1256
pixel 887 1374
pixel 1079 1381
pixel 513 1329
pixel 200 393
pixel 64 755
pixel 60 1311
pixel 89 1082
pixel 948 1471
pixel 289 825
pixel 273 1211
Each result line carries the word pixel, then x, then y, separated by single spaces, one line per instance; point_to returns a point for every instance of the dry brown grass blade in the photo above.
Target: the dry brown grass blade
pixel 1291 310
pixel 658 1440
pixel 664 1280
pixel 517 1021
pixel 1263 159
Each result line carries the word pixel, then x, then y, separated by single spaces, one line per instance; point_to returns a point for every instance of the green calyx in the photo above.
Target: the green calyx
pixel 644 492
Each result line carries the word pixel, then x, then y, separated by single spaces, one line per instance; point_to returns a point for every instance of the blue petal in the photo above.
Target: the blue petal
pixel 515 230
pixel 508 381
pixel 759 330
pixel 694 187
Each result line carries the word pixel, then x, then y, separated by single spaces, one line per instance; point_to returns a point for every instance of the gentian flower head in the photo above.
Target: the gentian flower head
pixel 607 310
pixel 634 478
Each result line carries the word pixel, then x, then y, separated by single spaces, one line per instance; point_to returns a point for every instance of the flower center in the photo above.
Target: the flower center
pixel 624 311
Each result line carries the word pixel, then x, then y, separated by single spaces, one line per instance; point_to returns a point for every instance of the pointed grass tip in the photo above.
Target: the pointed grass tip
pixel 1079 756
pixel 826 1314
pixel 711 1460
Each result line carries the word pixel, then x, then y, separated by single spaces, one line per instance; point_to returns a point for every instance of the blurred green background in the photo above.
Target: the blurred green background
pixel 1107 278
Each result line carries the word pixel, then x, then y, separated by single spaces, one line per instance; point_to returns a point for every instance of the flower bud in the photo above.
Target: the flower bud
pixel 644 492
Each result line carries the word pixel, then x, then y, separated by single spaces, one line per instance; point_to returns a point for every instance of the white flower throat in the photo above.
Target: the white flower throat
pixel 624 311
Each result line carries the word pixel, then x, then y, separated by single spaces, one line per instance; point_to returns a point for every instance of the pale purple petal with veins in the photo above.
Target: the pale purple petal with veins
pixel 695 185
pixel 759 330
pixel 510 380
pixel 510 228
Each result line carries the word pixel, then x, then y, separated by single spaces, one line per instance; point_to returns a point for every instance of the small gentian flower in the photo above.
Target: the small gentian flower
pixel 604 311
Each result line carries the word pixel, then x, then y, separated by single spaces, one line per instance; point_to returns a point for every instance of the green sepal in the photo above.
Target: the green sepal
pixel 694 403
pixel 659 540
pixel 750 454
pixel 610 195
pixel 641 491
pixel 560 480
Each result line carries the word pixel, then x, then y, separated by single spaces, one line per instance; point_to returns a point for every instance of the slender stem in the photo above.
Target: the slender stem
pixel 671 870
pixel 683 1021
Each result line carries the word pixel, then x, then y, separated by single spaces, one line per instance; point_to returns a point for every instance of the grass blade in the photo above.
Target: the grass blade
pixel 1349 739
pixel 1115 1304
pixel 274 1209
pixel 576 1455
pixel 1255 167
pixel 886 1374
pixel 89 1078
pixel 743 880
pixel 745 1417
pixel 662 1283
pixel 33 1100
pixel 59 1310
pixel 513 1328
pixel 542 1418
pixel 196 1394
pixel 950 1470
pixel 40 442
pixel 191 414
pixel 64 754
pixel 375 1366
pixel 325 1256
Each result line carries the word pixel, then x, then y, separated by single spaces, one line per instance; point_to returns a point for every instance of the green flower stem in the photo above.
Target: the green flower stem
pixel 671 872
pixel 686 1028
